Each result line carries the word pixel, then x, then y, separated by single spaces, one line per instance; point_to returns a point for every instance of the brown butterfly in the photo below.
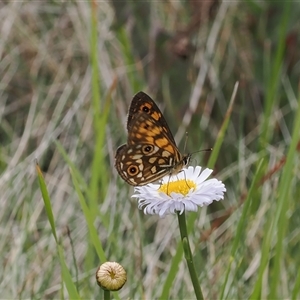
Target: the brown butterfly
pixel 151 151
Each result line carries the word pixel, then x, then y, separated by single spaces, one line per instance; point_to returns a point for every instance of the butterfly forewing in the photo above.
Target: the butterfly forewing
pixel 142 103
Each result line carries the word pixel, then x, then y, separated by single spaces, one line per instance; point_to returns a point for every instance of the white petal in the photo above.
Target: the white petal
pixel 204 175
pixel 190 206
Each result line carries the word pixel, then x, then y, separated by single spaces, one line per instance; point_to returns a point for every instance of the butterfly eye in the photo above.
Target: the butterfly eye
pixel 186 159
pixel 133 170
pixel 147 149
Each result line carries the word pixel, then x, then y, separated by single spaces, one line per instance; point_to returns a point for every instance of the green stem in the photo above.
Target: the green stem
pixel 188 255
pixel 106 295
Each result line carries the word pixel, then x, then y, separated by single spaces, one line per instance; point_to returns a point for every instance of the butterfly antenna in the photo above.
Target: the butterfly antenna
pixel 202 150
pixel 185 143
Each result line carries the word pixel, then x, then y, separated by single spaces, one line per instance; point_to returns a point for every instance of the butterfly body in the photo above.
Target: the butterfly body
pixel 151 151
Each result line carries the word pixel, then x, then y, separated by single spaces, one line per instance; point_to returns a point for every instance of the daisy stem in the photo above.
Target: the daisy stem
pixel 188 255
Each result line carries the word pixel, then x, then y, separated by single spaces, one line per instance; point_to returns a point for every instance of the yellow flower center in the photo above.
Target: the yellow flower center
pixel 182 186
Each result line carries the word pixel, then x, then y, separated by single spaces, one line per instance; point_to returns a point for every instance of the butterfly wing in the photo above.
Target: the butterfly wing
pixel 142 103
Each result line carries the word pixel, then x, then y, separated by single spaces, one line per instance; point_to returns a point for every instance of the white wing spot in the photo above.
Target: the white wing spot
pixel 153 169
pixel 166 154
pixel 137 157
pixel 132 180
pixel 152 160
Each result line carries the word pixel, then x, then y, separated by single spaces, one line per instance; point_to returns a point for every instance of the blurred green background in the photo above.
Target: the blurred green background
pixel 69 70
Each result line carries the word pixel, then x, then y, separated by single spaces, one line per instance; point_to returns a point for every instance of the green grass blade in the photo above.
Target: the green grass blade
pixel 275 73
pixel 241 227
pixel 72 166
pixel 81 181
pixel 66 276
pixel 296 289
pixel 284 199
pixel 265 256
pixel 89 216
pixel 47 201
pixel 217 147
pixel 100 109
pixel 99 175
pixel 277 222
pixel 172 272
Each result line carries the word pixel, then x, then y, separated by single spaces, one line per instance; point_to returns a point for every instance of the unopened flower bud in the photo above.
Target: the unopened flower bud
pixel 111 276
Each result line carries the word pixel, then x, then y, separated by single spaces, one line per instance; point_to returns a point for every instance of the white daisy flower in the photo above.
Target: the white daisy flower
pixel 185 191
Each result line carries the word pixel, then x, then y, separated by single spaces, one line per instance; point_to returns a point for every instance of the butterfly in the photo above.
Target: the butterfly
pixel 151 152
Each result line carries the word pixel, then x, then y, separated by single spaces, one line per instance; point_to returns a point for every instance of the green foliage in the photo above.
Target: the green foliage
pixel 69 71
